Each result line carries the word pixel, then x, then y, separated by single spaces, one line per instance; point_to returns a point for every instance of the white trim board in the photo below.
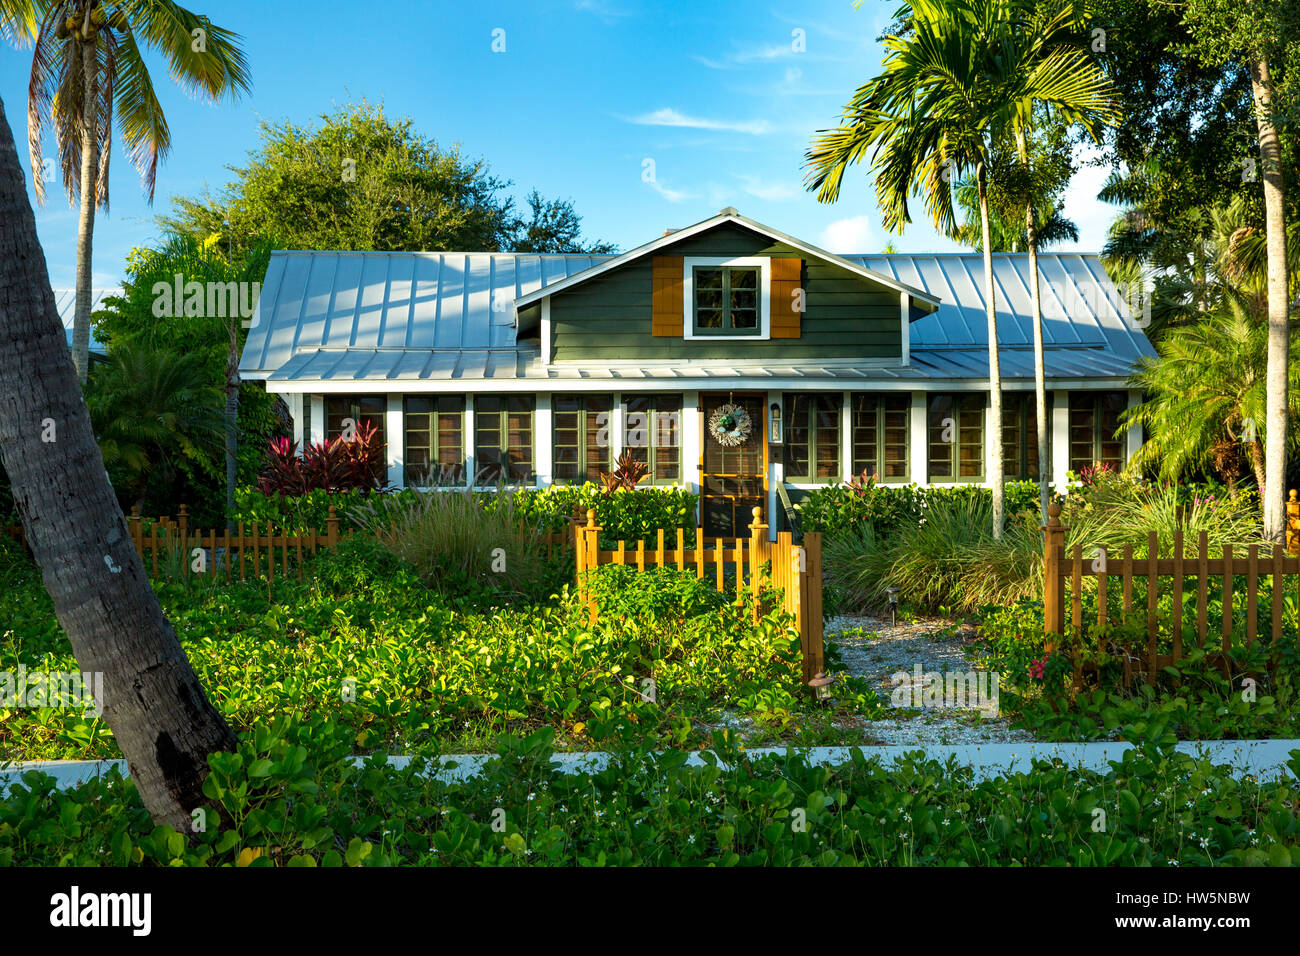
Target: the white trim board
pixel 529 386
pixel 764 266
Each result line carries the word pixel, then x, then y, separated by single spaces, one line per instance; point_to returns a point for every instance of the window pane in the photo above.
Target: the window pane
pixel 362 410
pixel 866 423
pixel 942 428
pixel 1110 447
pixel 744 279
pixel 828 436
pixel 708 279
pixel 897 413
pixel 797 435
pixel 970 437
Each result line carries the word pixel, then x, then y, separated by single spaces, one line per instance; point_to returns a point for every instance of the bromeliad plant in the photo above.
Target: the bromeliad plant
pixel 334 465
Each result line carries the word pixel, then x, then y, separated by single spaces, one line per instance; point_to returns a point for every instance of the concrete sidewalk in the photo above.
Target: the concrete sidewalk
pixel 1262 758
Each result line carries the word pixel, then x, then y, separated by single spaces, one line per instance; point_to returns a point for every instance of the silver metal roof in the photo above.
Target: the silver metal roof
pixel 394 320
pixel 448 301
pixel 65 301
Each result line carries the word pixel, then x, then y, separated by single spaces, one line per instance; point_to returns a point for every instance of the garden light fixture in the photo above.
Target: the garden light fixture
pixel 821 685
pixel 893 605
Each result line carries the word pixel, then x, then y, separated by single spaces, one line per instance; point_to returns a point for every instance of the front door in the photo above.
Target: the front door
pixel 733 479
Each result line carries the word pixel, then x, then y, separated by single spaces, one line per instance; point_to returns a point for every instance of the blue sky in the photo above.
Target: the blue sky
pixel 719 96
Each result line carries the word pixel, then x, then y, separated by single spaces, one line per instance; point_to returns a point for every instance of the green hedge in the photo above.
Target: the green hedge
pixel 626 515
pixel 890 508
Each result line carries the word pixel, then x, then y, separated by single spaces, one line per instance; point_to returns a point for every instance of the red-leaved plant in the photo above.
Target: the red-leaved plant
pixel 335 465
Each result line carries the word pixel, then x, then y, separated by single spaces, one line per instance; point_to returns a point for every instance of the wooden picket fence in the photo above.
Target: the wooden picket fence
pixel 253 550
pixel 1190 578
pixel 749 565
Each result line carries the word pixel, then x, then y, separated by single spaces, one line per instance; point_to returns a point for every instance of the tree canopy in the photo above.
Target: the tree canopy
pixel 363 180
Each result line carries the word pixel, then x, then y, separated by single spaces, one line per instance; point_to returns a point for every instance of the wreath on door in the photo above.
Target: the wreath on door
pixel 730 425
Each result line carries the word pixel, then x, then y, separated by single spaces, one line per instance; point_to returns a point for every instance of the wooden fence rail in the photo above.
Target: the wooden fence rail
pixel 748 564
pixel 1190 586
pixel 253 549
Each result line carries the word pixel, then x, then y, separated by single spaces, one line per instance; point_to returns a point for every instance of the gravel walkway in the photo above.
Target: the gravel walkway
pixel 873 649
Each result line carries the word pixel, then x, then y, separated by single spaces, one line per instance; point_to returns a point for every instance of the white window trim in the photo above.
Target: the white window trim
pixel 764 266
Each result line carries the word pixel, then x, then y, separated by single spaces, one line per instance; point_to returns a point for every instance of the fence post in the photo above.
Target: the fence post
pixel 1053 579
pixel 184 525
pixel 590 561
pixel 331 528
pixel 757 538
pixel 137 532
pixel 810 602
pixel 1293 524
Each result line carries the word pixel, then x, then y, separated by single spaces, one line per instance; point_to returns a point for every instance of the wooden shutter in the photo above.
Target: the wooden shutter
pixel 666 298
pixel 787 276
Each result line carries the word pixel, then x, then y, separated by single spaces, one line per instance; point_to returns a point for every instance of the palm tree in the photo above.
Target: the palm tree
pixel 1214 252
pixel 205 261
pixel 1207 394
pixel 153 411
pixel 153 701
pixel 966 73
pixel 88 69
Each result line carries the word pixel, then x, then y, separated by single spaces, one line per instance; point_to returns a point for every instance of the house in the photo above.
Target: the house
pixel 739 361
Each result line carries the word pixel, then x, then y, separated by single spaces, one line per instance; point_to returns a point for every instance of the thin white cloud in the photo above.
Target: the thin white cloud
pixel 601 9
pixel 671 117
pixel 672 195
pixel 764 189
pixel 847 235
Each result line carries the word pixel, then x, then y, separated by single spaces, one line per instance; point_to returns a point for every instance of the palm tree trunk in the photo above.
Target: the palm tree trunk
pixel 1040 370
pixel 1257 462
pixel 995 369
pixel 232 423
pixel 86 221
pixel 1273 491
pixel 152 699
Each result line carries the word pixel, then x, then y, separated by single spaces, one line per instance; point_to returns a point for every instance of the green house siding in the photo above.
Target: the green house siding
pixel 608 317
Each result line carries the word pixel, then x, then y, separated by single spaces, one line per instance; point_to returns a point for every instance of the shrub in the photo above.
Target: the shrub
pixel 456 543
pixel 890 509
pixel 306 513
pixel 949 558
pixel 623 515
pixel 1117 510
pixel 335 465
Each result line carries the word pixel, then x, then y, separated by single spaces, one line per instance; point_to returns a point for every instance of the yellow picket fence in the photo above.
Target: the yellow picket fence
pixel 750 565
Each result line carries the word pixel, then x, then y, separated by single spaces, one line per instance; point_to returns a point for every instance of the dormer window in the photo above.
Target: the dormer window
pixel 726 297
pixel 726 301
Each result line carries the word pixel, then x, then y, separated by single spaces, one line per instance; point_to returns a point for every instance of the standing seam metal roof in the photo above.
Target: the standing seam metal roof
pixel 409 316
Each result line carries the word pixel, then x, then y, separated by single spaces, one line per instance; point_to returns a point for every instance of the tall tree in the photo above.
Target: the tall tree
pixel 88 70
pixel 1206 397
pixel 153 701
pixel 1262 36
pixel 212 332
pixel 958 76
pixel 152 410
pixel 361 179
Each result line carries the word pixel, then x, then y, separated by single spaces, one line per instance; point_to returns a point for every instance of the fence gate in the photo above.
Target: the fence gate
pixel 746 564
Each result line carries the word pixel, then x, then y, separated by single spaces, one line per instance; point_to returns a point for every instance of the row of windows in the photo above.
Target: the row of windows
pixel 503 435
pixel 954 435
pixel 879 424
